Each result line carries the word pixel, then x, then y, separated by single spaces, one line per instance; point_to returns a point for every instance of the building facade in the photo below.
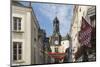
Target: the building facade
pixel 43 47
pixel 47 49
pixel 25 41
pixel 65 45
pixel 78 12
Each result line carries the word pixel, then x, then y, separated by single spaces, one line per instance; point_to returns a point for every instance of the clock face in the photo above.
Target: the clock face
pixel 56 42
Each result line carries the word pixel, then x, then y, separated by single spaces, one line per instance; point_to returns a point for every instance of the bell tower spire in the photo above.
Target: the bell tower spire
pixel 56 26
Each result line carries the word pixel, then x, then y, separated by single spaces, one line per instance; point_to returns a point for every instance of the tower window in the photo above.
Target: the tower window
pixel 56 49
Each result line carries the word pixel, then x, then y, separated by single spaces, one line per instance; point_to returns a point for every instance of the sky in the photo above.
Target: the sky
pixel 45 14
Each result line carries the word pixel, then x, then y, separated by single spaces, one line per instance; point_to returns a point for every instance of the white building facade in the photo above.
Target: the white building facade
pixel 24 36
pixel 79 12
pixel 65 45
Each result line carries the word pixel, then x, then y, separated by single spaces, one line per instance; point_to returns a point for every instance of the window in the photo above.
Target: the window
pixel 56 49
pixel 35 39
pixel 16 23
pixel 17 51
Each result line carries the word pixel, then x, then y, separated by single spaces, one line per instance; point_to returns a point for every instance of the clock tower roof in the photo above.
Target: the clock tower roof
pixel 56 20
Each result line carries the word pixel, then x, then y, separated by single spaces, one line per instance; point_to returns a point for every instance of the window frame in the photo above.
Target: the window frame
pixel 17 54
pixel 18 21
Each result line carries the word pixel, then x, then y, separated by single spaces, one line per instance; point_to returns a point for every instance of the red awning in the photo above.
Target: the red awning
pixel 56 55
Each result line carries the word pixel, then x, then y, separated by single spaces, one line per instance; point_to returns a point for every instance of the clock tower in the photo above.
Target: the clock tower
pixel 55 40
pixel 56 37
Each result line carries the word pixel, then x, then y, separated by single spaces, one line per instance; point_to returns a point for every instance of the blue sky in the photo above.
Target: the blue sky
pixel 45 14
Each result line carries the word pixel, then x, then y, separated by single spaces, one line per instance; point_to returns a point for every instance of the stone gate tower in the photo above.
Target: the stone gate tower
pixel 56 37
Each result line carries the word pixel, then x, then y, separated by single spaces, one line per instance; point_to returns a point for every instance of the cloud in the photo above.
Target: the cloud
pixel 63 12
